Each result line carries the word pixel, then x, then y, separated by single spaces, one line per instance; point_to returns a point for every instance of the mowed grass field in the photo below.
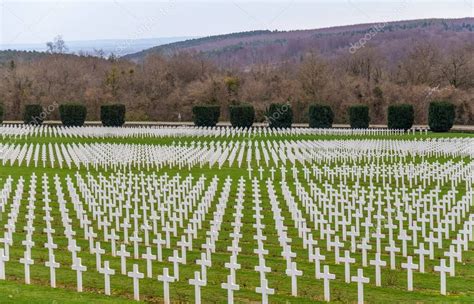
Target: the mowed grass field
pixel 310 290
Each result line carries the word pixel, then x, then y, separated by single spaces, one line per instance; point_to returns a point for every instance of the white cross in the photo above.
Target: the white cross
pixel 73 248
pixel 249 169
pixel 317 257
pixel 264 290
pixel 347 260
pixel 27 261
pixel 392 249
pixel 166 279
pixel 421 251
pixel 197 282
pixel 135 239
pixel 377 263
pixel 442 269
pixel 136 276
pixel 232 265
pixel 123 254
pixel 52 264
pixel 294 273
pixel 230 286
pixel 272 171
pixel 404 237
pixel 409 266
pixel 175 259
pixel 159 242
pixel 148 256
pixel 79 268
pixel 326 276
pixel 361 280
pixel 451 254
pixel 107 272
pixel 364 246
pixel 98 254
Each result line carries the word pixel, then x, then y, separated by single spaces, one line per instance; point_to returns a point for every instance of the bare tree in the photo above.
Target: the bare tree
pixel 57 46
pixel 458 67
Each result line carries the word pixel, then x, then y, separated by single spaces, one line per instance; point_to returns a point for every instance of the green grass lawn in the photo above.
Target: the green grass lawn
pixel 13 290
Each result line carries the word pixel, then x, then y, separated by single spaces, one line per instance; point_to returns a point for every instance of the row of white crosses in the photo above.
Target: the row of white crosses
pixel 227 153
pixel 185 244
pixel 231 284
pixel 25 131
pixel 442 215
pixel 12 218
pixel 284 240
pixel 167 228
pixel 69 232
pixel 108 208
pixel 27 260
pixel 262 269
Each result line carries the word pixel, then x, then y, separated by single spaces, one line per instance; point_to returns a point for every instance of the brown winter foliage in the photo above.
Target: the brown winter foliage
pixel 165 87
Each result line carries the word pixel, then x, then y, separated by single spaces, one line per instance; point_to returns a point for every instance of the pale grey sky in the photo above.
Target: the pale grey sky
pixel 37 21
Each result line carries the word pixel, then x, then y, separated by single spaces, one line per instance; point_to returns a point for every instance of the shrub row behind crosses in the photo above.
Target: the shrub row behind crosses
pixel 73 115
pixel 280 115
pixel 320 116
pixel 400 116
pixel 33 114
pixel 242 116
pixel 206 115
pixel 112 115
pixel 359 116
pixel 441 116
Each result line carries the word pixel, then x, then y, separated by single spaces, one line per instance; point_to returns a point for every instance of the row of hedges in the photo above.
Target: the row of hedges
pixel 74 115
pixel 399 116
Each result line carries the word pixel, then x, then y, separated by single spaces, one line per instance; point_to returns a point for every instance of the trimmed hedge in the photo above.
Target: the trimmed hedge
pixel 280 115
pixel 400 116
pixel 33 114
pixel 206 115
pixel 242 116
pixel 359 116
pixel 1 113
pixel 73 115
pixel 441 116
pixel 112 115
pixel 320 116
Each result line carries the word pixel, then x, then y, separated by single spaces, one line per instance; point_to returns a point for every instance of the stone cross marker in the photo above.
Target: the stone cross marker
pixel 360 280
pixel 409 266
pixel 326 276
pixel 136 275
pixel 107 272
pixel 166 279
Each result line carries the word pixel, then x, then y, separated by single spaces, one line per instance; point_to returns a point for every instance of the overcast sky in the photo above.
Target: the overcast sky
pixel 37 21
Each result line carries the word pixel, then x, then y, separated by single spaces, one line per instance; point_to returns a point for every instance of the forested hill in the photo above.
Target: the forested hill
pixel 263 47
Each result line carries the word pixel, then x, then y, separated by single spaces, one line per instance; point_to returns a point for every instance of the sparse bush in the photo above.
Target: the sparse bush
pixel 359 116
pixel 206 115
pixel 73 115
pixel 280 115
pixel 441 116
pixel 400 116
pixel 320 116
pixel 33 114
pixel 112 115
pixel 242 116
